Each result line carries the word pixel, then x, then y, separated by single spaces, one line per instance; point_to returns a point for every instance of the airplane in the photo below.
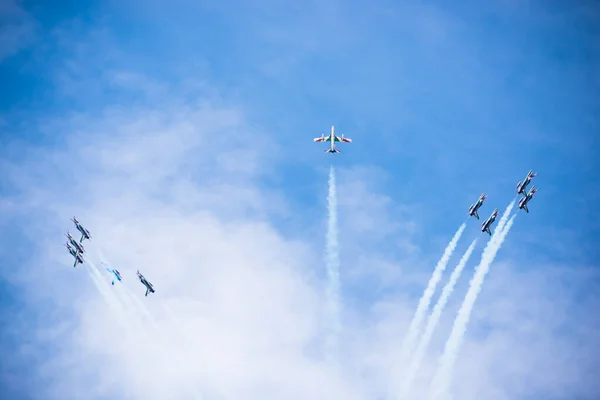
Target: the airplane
pixel 75 244
pixel 148 285
pixel 473 209
pixel 522 186
pixel 332 138
pixel 115 272
pixel 76 254
pixel 85 234
pixel 524 200
pixel 485 227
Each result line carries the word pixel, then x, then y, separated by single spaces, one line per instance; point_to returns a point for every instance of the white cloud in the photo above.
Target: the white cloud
pixel 210 245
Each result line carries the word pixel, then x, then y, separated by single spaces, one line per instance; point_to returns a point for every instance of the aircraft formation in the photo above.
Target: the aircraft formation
pixel 521 189
pixel 77 250
pixel 332 138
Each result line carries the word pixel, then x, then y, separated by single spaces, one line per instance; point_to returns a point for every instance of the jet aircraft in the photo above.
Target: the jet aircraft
pixel 524 200
pixel 115 272
pixel 473 209
pixel 522 186
pixel 75 243
pixel 75 254
pixel 85 234
pixel 485 227
pixel 145 282
pixel 332 138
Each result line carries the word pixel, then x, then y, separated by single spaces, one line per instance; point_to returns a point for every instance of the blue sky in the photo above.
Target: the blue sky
pixel 148 115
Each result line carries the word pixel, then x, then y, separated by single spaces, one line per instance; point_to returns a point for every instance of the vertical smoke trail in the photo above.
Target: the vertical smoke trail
pixel 413 330
pixel 434 318
pixel 333 268
pixel 441 381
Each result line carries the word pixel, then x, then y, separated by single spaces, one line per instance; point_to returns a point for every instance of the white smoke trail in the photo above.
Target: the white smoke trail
pixel 129 309
pixel 434 318
pixel 110 298
pixel 413 330
pixel 142 308
pixel 119 300
pixel 102 289
pixel 333 268
pixel 441 381
pixel 129 301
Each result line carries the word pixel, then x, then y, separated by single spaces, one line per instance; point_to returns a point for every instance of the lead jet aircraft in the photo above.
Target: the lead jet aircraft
pixel 332 138
pixel 76 254
pixel 473 209
pixel 522 186
pixel 75 243
pixel 524 200
pixel 485 227
pixel 145 282
pixel 85 234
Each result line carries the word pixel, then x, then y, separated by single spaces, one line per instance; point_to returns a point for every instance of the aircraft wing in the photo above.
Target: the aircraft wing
pixel 322 139
pixel 343 139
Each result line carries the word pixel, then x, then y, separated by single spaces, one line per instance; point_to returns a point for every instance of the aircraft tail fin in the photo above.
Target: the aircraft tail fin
pixel 332 151
pixel 476 215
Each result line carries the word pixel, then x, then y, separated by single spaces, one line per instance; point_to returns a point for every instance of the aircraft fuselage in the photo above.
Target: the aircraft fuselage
pixel 485 227
pixel 524 200
pixel 522 186
pixel 473 209
pixel 332 140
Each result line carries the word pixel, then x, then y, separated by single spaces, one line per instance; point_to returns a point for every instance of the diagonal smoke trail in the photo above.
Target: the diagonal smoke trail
pixel 413 330
pixel 102 289
pixel 503 219
pixel 441 381
pixel 129 301
pixel 127 307
pixel 113 302
pixel 333 269
pixel 434 318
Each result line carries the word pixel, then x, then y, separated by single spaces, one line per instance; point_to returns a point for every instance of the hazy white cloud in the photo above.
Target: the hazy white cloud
pixel 241 290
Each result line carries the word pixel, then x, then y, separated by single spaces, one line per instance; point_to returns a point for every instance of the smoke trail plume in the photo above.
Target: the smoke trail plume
pixel 102 289
pixel 333 268
pixel 413 330
pixel 441 381
pixel 434 318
